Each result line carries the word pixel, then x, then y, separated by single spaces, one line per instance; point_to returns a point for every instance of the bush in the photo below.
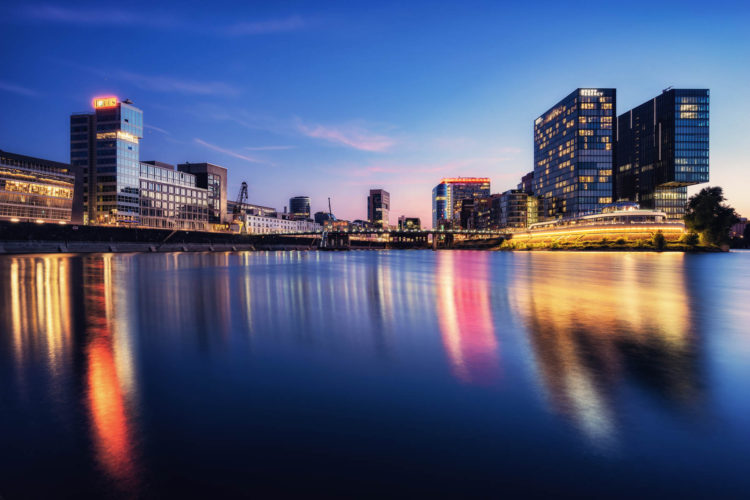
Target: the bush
pixel 690 239
pixel 659 241
pixel 620 241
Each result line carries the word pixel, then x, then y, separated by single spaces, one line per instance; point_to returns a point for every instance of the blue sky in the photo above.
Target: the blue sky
pixel 331 99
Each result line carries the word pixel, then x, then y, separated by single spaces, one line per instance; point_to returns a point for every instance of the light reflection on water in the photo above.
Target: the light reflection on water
pixel 139 360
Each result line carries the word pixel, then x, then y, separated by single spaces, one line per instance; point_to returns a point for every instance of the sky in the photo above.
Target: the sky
pixel 335 98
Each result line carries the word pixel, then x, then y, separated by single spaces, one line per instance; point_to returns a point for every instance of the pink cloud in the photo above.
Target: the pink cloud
pixel 349 135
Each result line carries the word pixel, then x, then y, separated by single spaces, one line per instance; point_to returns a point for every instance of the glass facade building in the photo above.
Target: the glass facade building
pixel 170 199
pixel 105 145
pixel 33 190
pixel 448 195
pixel 212 178
pixel 378 208
pixel 574 154
pixel 299 207
pixel 662 147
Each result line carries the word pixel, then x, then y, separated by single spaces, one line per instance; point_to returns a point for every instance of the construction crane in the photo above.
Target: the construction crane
pixel 237 223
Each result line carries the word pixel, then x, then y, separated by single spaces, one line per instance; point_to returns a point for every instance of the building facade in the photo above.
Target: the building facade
pixel 574 154
pixel 409 223
pixel 170 199
pixel 260 224
pixel 378 208
pixel 37 190
pixel 662 147
pixel 299 207
pixel 105 145
pixel 449 194
pixel 513 209
pixel 212 178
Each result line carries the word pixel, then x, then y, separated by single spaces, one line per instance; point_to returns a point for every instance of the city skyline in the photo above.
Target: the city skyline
pixel 302 116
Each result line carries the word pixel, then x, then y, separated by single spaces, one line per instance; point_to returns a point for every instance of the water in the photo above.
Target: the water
pixel 374 373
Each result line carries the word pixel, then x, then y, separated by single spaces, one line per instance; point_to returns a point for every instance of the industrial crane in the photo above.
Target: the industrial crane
pixel 237 211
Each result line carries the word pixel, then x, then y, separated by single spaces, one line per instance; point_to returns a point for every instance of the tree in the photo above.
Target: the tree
pixel 746 235
pixel 709 216
pixel 659 241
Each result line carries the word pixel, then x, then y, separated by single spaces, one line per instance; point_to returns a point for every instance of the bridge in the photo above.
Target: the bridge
pixel 388 238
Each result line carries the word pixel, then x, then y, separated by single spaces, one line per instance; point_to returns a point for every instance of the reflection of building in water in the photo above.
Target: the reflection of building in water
pixel 592 323
pixel 40 302
pixel 36 300
pixel 465 317
pixel 110 376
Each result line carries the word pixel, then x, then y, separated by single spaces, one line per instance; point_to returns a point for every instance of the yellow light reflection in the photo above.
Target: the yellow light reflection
pixel 591 317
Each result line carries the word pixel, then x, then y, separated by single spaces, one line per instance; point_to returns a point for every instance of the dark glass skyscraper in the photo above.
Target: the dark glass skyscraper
pixel 378 207
pixel 105 145
pixel 299 207
pixel 574 153
pixel 662 147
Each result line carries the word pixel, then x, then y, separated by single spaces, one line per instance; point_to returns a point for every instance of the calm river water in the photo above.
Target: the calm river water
pixel 375 373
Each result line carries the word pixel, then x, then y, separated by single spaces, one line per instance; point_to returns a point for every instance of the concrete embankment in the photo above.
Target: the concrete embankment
pixel 19 237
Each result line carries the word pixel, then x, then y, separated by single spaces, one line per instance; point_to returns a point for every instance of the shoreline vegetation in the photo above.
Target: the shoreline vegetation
pixel 645 242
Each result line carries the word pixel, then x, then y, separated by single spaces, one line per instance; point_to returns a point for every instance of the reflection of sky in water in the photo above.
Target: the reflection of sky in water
pixel 152 355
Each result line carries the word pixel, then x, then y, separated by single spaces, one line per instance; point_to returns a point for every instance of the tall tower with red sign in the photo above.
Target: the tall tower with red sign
pixel 105 145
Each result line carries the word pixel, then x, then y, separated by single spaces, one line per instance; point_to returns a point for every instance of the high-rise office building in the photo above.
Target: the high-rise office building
pixel 378 208
pixel 662 147
pixel 213 178
pixel 448 195
pixel 299 207
pixel 105 145
pixel 574 154
pixel 37 190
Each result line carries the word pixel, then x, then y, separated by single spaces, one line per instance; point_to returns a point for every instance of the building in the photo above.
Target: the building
pixel 738 229
pixel 323 217
pixel 662 147
pixel 448 195
pixel 574 154
pixel 466 214
pixel 105 145
pixel 299 207
pixel 213 179
pixel 409 223
pixel 33 189
pixel 527 183
pixel 171 199
pixel 266 224
pixel 513 209
pixel 378 207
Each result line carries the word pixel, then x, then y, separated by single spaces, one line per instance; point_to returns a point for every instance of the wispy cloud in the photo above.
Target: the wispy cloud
pixel 229 152
pixel 265 27
pixel 17 89
pixel 161 83
pixel 99 15
pixel 352 136
pixel 153 127
pixel 113 16
pixel 269 148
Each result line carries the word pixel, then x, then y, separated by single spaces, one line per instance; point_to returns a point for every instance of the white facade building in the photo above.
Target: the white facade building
pixel 258 224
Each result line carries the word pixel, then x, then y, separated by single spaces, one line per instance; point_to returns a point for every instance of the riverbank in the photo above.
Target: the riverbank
pixel 644 243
